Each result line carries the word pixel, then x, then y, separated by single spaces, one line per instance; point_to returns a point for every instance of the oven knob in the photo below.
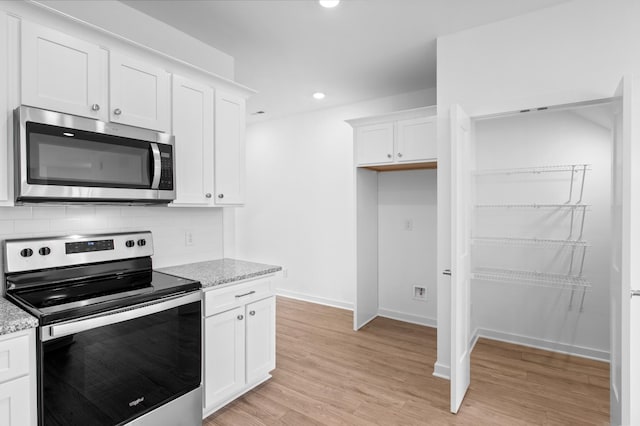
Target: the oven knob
pixel 44 251
pixel 26 252
pixel 130 243
pixel 142 242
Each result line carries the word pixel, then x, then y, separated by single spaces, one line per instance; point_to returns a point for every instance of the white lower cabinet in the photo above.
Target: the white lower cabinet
pixel 239 341
pixel 17 379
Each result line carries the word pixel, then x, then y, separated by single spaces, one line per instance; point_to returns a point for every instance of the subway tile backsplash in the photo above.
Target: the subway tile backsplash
pixel 168 225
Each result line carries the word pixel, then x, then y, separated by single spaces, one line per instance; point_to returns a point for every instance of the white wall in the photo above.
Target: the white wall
pixel 407 257
pixel 572 52
pixel 300 205
pixel 134 25
pixel 540 313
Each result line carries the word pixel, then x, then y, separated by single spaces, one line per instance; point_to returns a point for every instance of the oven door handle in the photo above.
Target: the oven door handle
pixel 60 330
pixel 157 166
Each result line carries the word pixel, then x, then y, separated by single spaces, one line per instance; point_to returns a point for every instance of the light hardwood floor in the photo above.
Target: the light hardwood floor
pixel 327 374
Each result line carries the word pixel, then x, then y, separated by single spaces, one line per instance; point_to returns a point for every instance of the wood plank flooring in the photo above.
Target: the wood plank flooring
pixel 327 374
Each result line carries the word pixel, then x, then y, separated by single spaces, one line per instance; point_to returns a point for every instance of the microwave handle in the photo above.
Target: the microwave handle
pixel 157 166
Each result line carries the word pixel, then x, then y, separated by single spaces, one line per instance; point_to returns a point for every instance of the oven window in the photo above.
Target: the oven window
pixel 60 156
pixel 115 373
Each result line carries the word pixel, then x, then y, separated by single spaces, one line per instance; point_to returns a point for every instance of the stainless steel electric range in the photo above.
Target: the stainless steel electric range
pixel 118 343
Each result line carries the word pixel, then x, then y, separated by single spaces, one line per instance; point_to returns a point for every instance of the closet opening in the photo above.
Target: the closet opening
pixel 541 234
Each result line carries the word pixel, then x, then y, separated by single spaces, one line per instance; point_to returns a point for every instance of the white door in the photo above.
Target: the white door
pixel 625 270
pixel 417 139
pixel 460 255
pixel 229 149
pixel 261 339
pixel 139 93
pixel 224 347
pixel 193 130
pixel 62 73
pixel 374 144
pixel 15 407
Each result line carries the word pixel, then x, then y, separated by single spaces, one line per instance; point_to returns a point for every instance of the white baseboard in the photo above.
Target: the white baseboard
pixel 532 342
pixel 314 299
pixel 442 371
pixel 402 316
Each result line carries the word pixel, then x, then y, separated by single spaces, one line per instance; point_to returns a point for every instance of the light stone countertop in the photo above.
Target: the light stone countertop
pixel 13 318
pixel 223 271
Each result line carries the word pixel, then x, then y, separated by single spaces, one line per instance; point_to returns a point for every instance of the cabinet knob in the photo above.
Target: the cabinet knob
pixel 389 155
pixel 252 313
pixel 208 195
pixel 220 195
pixel 399 155
pixel 240 317
pixel 95 107
pixel 117 111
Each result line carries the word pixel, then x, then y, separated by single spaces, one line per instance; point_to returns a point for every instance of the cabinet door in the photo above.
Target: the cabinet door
pixel 62 73
pixel 15 406
pixel 261 339
pixel 139 93
pixel 375 144
pixel 229 149
pixel 416 140
pixel 224 349
pixel 193 130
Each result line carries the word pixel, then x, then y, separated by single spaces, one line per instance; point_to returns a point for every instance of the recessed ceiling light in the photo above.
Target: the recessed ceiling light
pixel 318 95
pixel 329 3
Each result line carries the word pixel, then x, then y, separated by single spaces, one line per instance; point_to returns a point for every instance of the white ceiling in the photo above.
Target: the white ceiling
pixel 362 49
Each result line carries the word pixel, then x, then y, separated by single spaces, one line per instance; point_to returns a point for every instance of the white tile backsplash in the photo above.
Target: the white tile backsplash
pixel 167 224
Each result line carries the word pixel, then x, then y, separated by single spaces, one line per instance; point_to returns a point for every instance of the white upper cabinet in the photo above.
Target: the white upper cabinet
pixel 139 93
pixel 396 140
pixel 62 73
pixel 375 143
pixel 229 156
pixel 193 130
pixel 416 139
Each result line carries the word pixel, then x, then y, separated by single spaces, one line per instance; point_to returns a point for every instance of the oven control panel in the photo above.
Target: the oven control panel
pixel 53 252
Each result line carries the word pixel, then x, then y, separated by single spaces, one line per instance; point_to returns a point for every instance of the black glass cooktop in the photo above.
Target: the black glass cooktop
pixel 69 293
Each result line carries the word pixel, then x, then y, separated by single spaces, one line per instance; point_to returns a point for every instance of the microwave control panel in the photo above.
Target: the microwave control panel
pixel 166 167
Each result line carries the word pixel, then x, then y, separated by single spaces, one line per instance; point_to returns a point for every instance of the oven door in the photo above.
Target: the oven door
pixel 112 368
pixel 65 158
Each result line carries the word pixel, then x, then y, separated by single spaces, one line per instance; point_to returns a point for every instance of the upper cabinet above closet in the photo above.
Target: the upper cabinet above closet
pixel 400 140
pixel 69 75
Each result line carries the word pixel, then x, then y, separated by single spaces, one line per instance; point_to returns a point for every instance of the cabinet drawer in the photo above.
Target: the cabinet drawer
pixel 14 358
pixel 220 300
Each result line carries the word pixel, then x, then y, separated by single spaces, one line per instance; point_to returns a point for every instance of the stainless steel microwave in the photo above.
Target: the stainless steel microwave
pixel 62 158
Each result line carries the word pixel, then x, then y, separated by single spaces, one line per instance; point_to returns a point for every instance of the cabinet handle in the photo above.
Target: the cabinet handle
pixel 95 107
pixel 252 313
pixel 117 111
pixel 389 155
pixel 399 155
pixel 208 195
pixel 240 317
pixel 220 195
pixel 246 294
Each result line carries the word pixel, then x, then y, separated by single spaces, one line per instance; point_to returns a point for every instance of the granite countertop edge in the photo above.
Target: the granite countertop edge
pixel 14 319
pixel 221 272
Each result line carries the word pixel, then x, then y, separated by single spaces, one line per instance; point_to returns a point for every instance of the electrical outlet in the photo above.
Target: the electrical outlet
pixel 420 293
pixel 285 273
pixel 188 238
pixel 408 224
